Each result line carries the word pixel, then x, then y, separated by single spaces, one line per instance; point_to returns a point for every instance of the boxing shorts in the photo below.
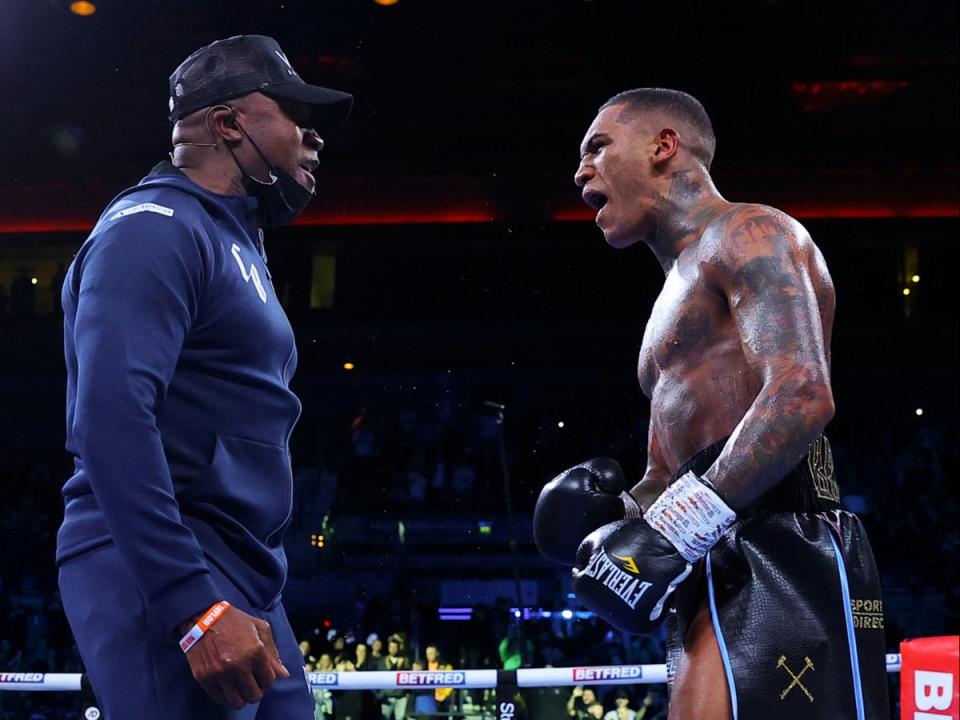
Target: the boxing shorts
pixel 794 599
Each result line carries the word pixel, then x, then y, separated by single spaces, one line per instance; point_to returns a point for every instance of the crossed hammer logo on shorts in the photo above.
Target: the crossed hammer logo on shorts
pixel 807 665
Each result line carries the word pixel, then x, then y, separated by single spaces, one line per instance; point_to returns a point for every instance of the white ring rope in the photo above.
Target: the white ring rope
pixel 418 679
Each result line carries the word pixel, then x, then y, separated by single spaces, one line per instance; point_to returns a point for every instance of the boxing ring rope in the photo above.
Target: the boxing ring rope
pixel 420 679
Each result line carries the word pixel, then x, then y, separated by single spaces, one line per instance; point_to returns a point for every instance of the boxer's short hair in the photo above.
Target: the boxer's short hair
pixel 678 104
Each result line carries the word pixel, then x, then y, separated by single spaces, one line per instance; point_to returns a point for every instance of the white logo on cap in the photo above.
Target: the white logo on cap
pixel 286 62
pixel 171 104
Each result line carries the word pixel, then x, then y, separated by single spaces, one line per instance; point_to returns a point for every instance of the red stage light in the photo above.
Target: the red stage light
pixel 831 94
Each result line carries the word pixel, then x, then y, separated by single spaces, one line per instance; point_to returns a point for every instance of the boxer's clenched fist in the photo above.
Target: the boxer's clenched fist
pixel 575 503
pixel 627 570
pixel 625 573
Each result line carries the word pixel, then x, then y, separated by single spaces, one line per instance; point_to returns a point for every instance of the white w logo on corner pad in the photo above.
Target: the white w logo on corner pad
pixel 248 274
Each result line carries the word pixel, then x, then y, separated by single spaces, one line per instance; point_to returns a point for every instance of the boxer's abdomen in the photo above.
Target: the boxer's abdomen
pixel 693 409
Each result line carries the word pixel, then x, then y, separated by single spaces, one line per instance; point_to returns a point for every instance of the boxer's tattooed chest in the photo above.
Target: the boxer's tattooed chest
pixel 685 321
pixel 692 365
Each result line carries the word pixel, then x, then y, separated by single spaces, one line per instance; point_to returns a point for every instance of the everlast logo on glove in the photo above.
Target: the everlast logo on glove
pixel 629 589
pixel 625 573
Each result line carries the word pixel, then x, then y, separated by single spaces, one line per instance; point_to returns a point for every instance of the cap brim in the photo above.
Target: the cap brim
pixel 330 108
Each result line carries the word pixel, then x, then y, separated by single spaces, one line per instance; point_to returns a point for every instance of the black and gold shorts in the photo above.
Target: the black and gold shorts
pixel 794 598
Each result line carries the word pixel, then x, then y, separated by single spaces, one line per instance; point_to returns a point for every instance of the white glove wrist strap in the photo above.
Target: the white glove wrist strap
pixel 691 516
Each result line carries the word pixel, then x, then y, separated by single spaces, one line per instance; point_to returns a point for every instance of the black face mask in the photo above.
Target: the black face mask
pixel 279 201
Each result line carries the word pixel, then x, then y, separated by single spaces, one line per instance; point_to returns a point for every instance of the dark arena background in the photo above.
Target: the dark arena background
pixel 448 264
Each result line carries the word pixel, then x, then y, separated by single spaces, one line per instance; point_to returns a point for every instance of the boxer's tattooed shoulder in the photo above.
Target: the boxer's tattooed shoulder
pixel 764 273
pixel 761 261
pixel 761 266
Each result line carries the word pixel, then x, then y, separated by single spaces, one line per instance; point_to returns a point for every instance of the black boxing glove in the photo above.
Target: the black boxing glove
pixel 575 503
pixel 627 570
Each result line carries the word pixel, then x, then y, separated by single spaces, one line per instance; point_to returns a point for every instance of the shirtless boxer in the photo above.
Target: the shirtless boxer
pixel 734 534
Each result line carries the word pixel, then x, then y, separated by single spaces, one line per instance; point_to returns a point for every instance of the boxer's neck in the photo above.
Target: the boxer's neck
pixel 687 204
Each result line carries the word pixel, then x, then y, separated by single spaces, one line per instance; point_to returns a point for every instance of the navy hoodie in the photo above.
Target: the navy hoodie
pixel 179 413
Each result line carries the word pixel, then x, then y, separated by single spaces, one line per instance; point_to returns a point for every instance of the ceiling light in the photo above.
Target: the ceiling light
pixel 83 8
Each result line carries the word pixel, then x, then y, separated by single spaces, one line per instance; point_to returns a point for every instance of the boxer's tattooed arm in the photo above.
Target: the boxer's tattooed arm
pixel 761 265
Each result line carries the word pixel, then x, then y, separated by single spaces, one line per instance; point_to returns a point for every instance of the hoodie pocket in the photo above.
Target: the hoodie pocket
pixel 250 485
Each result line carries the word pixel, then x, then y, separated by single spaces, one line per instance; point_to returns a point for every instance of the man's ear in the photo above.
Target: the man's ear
pixel 222 121
pixel 665 146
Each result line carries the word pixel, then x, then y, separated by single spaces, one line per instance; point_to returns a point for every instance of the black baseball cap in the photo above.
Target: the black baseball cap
pixel 243 64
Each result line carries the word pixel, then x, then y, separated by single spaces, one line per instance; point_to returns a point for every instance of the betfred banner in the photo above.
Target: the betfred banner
pixel 930 678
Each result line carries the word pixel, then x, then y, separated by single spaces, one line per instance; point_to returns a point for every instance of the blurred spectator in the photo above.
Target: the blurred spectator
pixel 595 710
pixel 622 711
pixel 322 697
pixel 393 703
pixel 363 661
pixel 515 650
pixel 307 652
pixel 580 699
pixel 417 479
pixel 369 706
pixel 376 648
pixel 339 650
pixel 653 704
pixel 432 655
pixel 348 704
pixel 423 700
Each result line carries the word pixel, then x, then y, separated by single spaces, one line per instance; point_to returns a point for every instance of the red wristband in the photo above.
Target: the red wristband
pixel 206 621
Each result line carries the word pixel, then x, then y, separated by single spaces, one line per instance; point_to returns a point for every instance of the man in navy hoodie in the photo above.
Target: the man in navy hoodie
pixel 179 413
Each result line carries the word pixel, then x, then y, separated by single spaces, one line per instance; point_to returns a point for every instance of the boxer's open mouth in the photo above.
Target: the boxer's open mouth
pixel 594 199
